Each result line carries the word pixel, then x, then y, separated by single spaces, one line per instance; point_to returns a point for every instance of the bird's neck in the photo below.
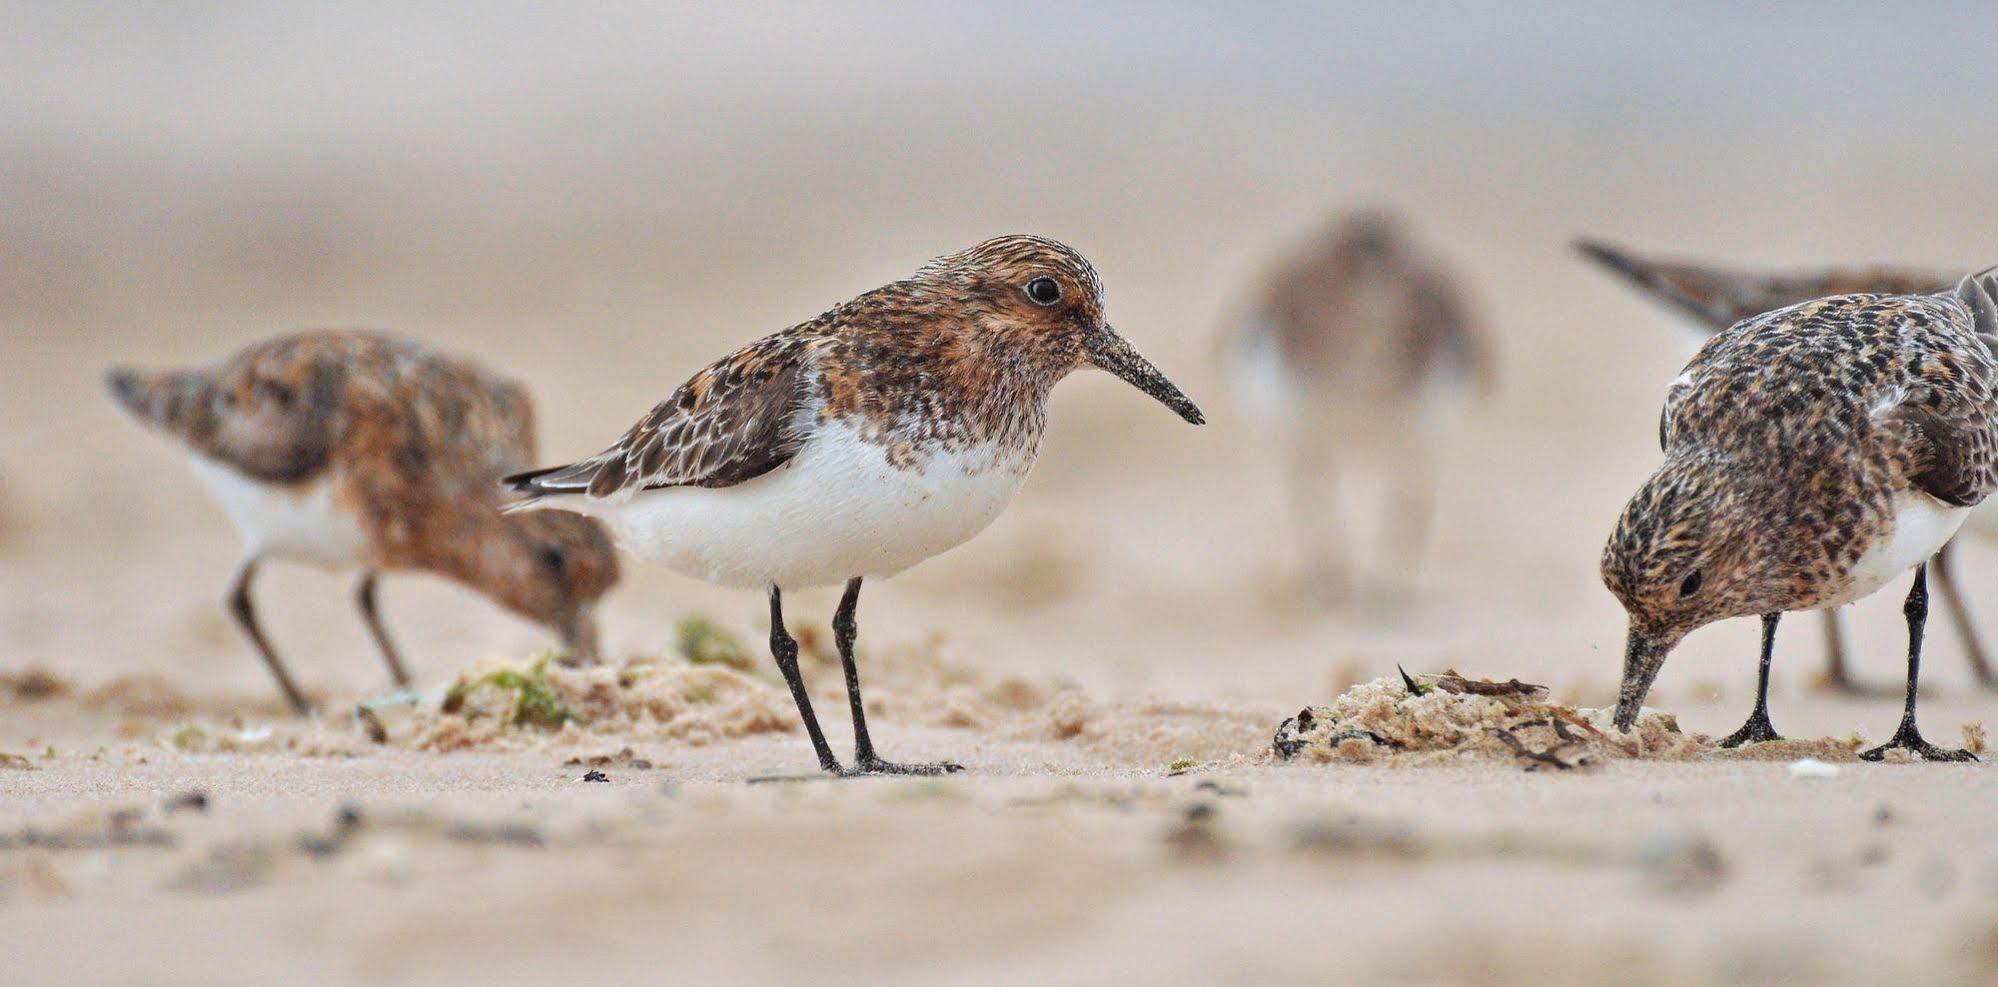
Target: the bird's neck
pixel 482 550
pixel 955 389
pixel 1002 390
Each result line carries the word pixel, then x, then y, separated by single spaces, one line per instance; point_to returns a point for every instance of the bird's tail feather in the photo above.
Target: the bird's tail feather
pixel 534 486
pixel 1697 291
pixel 164 399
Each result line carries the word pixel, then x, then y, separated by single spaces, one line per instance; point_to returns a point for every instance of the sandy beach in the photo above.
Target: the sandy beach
pixel 1110 660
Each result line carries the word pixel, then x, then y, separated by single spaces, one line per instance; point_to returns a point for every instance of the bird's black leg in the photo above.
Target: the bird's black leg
pixel 784 648
pixel 364 597
pixel 845 631
pixel 245 613
pixel 1959 612
pixel 1758 728
pixel 1907 737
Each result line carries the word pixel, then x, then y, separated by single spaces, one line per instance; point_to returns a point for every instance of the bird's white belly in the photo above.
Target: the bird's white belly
pixel 301 523
pixel 1922 525
pixel 838 509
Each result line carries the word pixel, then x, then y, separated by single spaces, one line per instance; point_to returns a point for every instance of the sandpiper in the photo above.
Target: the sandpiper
pixel 1715 297
pixel 1812 454
pixel 356 450
pixel 889 429
pixel 1357 348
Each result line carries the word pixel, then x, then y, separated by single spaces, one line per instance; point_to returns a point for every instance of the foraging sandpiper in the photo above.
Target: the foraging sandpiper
pixel 1812 454
pixel 1715 297
pixel 1357 349
pixel 355 450
pixel 889 429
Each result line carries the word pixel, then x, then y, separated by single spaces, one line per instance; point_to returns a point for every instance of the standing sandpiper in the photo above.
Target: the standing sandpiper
pixel 1812 454
pixel 354 450
pixel 1357 348
pixel 1715 297
pixel 889 429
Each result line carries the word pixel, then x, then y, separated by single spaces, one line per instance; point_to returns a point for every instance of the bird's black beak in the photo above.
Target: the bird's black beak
pixel 578 631
pixel 1643 655
pixel 1111 352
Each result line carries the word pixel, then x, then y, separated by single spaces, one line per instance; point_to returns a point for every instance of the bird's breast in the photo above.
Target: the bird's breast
pixel 1921 525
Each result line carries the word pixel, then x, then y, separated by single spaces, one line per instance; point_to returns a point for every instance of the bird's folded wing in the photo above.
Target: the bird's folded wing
pixel 1948 429
pixel 734 421
pixel 1675 393
pixel 1948 458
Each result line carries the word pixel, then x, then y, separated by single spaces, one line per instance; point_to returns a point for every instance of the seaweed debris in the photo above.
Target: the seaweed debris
pixel 1448 715
pixel 518 696
pixel 701 641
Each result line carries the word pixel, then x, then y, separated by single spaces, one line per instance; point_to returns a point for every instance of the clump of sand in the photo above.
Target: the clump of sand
pixel 144 695
pixel 714 686
pixel 501 704
pixel 711 690
pixel 707 693
pixel 1445 717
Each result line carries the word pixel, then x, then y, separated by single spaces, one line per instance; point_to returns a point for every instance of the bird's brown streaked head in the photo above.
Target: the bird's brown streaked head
pixel 552 567
pixel 1685 553
pixel 1038 301
pixel 1369 235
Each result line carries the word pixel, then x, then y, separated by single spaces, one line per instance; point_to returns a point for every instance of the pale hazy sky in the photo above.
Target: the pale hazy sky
pixel 139 125
pixel 437 84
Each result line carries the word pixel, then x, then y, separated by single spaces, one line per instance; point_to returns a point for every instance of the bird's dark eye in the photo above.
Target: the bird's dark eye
pixel 1043 291
pixel 1691 584
pixel 552 559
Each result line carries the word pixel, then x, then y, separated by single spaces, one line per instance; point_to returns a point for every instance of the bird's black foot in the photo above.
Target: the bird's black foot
pixel 1757 730
pixel 1909 739
pixel 876 766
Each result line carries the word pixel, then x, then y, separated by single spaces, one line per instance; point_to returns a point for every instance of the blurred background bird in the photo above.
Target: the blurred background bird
pixel 1357 351
pixel 362 451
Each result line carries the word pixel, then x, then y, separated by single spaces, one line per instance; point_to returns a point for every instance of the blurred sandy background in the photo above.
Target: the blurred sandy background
pixel 603 200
